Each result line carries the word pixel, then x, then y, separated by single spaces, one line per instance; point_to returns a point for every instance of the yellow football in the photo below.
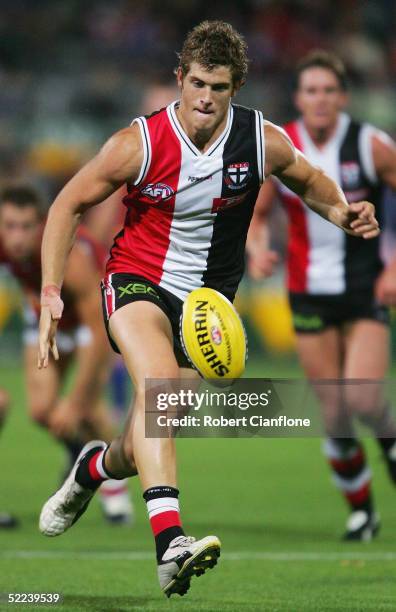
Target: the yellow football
pixel 213 335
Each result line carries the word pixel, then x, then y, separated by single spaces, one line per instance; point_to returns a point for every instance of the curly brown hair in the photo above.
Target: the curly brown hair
pixel 215 43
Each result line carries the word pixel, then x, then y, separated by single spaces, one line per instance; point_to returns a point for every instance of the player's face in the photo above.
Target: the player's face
pixel 19 230
pixel 319 98
pixel 205 96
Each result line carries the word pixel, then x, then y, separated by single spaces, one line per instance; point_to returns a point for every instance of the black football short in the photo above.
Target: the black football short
pixel 120 288
pixel 315 313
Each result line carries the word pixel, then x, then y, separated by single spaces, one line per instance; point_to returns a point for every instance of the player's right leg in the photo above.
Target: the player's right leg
pixel 143 333
pixel 321 355
pixel 178 556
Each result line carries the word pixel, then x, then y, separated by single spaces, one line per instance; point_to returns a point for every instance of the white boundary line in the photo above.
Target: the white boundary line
pixel 227 556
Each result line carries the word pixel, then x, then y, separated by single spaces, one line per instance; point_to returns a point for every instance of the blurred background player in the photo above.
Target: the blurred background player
pixel 339 290
pixel 81 414
pixel 7 521
pixel 193 171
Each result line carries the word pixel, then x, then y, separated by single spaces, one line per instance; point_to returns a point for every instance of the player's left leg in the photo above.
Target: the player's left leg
pixel 367 358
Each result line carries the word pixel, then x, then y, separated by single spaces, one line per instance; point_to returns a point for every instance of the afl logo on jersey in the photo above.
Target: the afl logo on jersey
pixel 237 175
pixel 157 191
pixel 350 175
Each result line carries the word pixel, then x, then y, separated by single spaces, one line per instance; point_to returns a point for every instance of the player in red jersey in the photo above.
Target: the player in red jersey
pixel 80 414
pixel 339 289
pixel 193 171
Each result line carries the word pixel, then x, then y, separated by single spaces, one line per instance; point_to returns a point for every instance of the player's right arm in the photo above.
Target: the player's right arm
pixel 315 187
pixel 118 161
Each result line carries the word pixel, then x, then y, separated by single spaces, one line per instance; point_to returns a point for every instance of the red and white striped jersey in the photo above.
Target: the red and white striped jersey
pixel 189 212
pixel 322 259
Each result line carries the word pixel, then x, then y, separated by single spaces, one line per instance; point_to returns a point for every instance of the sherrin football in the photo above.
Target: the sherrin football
pixel 213 335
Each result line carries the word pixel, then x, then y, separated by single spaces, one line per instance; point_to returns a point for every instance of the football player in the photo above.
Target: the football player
pixel 79 415
pixel 193 171
pixel 339 288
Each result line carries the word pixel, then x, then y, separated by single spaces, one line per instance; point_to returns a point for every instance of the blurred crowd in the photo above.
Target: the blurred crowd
pixel 73 72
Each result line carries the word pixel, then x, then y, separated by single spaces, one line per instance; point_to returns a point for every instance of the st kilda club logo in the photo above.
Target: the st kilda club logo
pixel 237 175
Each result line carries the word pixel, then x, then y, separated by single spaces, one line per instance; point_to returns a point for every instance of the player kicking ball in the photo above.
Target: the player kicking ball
pixel 193 171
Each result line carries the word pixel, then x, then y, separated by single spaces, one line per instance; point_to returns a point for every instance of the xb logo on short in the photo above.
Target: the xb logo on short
pixel 307 322
pixel 137 288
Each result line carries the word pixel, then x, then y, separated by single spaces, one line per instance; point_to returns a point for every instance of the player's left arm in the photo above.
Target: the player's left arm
pixel 82 281
pixel 384 159
pixel 315 187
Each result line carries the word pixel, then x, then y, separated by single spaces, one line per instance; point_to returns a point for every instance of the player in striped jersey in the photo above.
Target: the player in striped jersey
pixel 80 414
pixel 338 287
pixel 193 171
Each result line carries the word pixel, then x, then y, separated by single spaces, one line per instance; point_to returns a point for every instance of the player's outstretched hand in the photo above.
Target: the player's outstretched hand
pixel 51 312
pixel 360 220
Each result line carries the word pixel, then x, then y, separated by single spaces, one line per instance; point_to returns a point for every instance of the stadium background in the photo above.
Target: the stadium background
pixel 71 73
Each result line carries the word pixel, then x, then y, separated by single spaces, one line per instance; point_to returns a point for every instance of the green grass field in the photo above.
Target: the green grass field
pixel 271 503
